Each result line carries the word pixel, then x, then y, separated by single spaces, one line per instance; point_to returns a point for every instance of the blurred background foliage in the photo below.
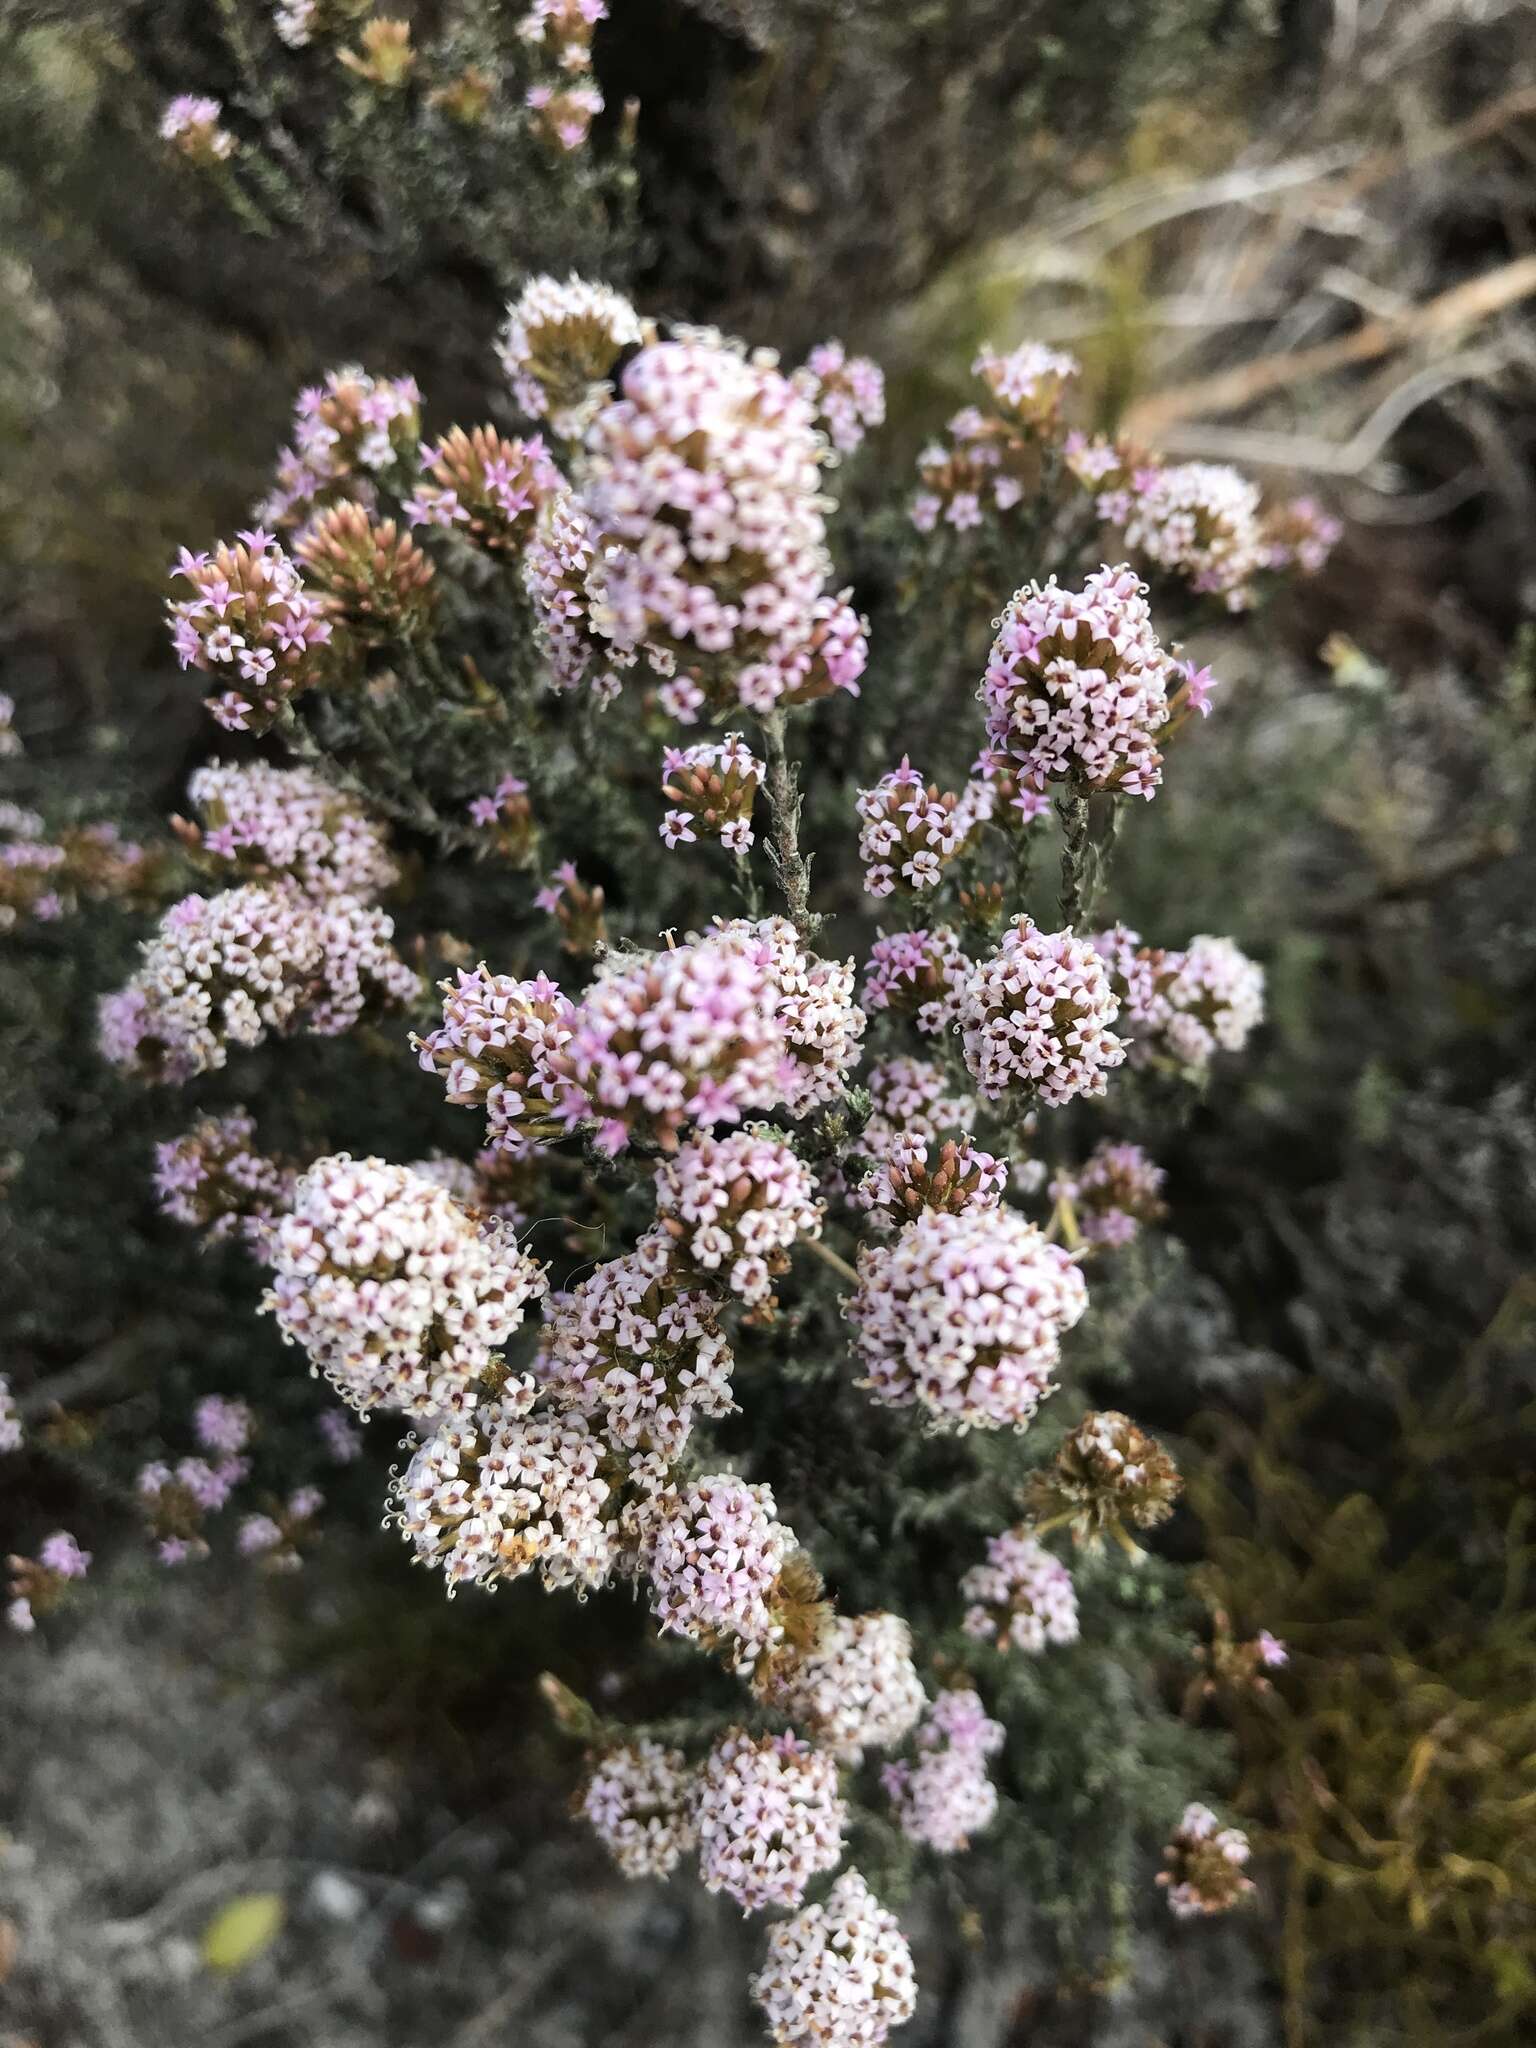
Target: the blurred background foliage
pixel 1295 236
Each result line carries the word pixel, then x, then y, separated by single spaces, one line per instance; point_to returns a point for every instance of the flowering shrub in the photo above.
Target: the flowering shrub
pixel 483 647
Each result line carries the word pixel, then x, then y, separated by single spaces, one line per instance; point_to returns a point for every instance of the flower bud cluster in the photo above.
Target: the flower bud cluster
pixel 348 431
pixel 915 1174
pixel 909 833
pixel 485 486
pixel 640 1801
pixel 1076 689
pixel 290 823
pixel 963 1316
pixel 1021 1598
pixel 637 1353
pixel 848 393
pixel 711 787
pixel 559 347
pixel 1204 1866
pixel 1115 1192
pixel 837 1975
pixel 214 1179
pixel 399 1297
pixel 251 624
pixel 918 974
pixel 228 969
pixel 734 1207
pixel 1107 1472
pixel 769 1818
pixel 944 1795
pixel 1035 1015
pixel 377 581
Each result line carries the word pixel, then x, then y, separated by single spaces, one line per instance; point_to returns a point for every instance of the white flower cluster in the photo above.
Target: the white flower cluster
pixel 1197 520
pixel 1204 1873
pixel 11 1432
pixel 559 346
pixel 1114 1192
pixel 918 974
pixel 1076 688
pixel 1036 1015
pixel 857 1689
pixel 290 822
pixel 838 1975
pixel 909 832
pixel 813 1003
pixel 963 1316
pixel 564 578
pixel 639 1800
pixel 734 1207
pixel 637 1353
pixel 703 480
pixel 501 1489
pixel 1021 1597
pixel 1029 381
pixel 945 1795
pixel 714 1553
pixel 398 1296
pixel 769 1818
pixel 225 970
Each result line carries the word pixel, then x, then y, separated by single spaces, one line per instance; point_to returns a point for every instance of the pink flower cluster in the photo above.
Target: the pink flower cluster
pixel 1036 1015
pixel 226 970
pixel 909 833
pixel 911 1099
pixel 856 1689
pixel 1300 535
pixel 918 974
pixel 837 1975
pixel 1022 1597
pixel 945 1795
pixel 564 576
pixel 1114 1193
pixel 963 1316
pixel 559 346
pixel 498 1049
pixel 251 621
pixel 190 124
pixel 711 787
pixel 714 1553
pixel 813 1006
pixel 1028 382
pixel 1076 688
pixel 277 1539
pixel 177 1500
pixel 638 1354
pixel 347 431
pixel 734 1207
pixel 398 1296
pixel 290 822
pixel 503 1488
pixel 562 31
pixel 639 1801
pixel 214 1179
pixel 703 480
pixel 769 1818
pixel 848 393
pixel 1186 1006
pixel 35 1585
